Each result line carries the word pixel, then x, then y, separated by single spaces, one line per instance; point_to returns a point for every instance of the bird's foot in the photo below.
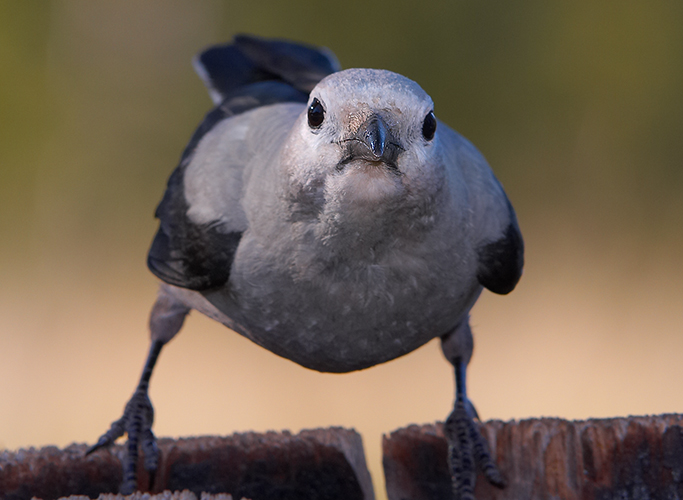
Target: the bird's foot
pixel 136 421
pixel 468 449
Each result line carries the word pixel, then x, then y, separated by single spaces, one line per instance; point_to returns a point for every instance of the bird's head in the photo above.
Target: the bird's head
pixel 367 136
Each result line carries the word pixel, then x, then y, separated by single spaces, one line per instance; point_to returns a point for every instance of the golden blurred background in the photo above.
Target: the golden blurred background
pixel 578 106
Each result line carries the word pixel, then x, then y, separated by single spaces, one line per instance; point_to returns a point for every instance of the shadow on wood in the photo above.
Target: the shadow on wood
pixel 625 458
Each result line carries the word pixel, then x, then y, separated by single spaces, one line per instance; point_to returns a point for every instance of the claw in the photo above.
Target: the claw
pixel 116 430
pixel 460 452
pixel 136 421
pixel 151 451
pixel 482 456
pixel 467 448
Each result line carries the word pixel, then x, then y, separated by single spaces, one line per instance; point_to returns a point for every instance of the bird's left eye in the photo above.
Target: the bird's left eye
pixel 429 126
pixel 316 114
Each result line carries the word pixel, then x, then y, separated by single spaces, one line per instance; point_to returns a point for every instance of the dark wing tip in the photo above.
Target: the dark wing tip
pixel 199 259
pixel 186 254
pixel 168 265
pixel 501 261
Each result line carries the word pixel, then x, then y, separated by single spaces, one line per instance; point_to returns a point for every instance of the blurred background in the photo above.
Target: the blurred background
pixel 578 107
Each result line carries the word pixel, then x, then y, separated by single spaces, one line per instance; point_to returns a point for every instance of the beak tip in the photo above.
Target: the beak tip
pixel 378 148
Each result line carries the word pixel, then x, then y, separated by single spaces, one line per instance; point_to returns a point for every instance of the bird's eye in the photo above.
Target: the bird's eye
pixel 316 114
pixel 428 126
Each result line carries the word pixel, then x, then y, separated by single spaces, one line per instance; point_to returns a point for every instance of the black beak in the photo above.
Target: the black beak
pixel 373 141
pixel 374 135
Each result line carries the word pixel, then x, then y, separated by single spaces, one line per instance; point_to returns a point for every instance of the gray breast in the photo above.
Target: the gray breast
pixel 346 317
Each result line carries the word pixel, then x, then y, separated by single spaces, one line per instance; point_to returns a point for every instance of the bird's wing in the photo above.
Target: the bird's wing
pixel 248 74
pixel 501 259
pixel 497 239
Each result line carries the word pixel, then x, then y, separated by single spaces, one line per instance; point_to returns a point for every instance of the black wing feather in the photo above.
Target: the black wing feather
pixel 501 261
pixel 185 254
pixel 199 257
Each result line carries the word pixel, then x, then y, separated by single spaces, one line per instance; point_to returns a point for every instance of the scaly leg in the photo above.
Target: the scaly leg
pixel 467 448
pixel 165 321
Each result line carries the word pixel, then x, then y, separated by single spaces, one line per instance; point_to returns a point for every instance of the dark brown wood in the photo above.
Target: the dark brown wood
pixel 624 458
pixel 166 495
pixel 322 463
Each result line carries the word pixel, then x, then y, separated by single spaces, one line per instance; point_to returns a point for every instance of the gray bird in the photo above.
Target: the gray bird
pixel 329 217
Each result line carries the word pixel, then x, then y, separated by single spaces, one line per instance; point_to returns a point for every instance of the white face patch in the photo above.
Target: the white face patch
pixel 352 96
pixel 368 183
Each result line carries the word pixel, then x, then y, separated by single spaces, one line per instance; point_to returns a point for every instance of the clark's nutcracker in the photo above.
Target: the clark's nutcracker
pixel 329 217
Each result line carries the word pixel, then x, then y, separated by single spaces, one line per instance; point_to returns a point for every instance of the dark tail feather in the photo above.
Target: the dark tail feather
pixel 226 68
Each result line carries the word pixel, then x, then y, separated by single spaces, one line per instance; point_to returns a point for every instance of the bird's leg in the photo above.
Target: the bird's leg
pixel 467 448
pixel 165 321
pixel 136 421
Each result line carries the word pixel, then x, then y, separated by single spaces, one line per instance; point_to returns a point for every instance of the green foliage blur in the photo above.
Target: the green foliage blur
pixel 578 106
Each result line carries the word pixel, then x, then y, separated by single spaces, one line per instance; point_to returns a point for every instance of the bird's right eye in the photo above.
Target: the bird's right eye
pixel 316 114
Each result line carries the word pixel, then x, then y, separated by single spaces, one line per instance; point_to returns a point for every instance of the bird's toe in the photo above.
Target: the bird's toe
pixel 467 450
pixel 136 422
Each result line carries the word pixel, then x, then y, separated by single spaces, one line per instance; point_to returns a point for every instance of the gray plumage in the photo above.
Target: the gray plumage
pixel 318 213
pixel 343 266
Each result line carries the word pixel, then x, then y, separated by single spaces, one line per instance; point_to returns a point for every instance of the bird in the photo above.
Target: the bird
pixel 328 216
